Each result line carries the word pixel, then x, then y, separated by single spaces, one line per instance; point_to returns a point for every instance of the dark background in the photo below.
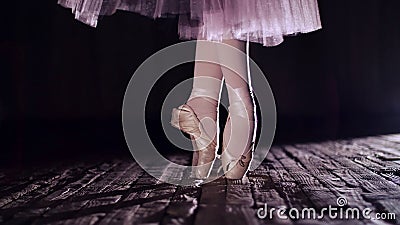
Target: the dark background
pixel 62 82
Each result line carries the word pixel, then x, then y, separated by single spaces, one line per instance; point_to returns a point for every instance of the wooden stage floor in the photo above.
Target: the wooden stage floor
pixel 363 172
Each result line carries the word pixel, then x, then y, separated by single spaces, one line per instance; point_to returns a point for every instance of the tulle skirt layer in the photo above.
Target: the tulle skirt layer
pixel 261 21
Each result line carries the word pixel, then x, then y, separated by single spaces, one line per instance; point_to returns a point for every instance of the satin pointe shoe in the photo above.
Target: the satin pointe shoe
pixel 185 119
pixel 236 167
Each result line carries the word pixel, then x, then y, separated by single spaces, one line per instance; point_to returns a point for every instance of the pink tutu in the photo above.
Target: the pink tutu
pixel 261 21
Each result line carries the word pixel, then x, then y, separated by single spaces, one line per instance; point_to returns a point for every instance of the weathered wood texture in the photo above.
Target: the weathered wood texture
pixel 364 171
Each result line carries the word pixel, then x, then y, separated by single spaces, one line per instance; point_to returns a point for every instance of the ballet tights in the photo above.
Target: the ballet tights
pixel 239 129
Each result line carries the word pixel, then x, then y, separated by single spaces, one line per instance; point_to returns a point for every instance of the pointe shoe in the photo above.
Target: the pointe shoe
pixel 236 168
pixel 185 119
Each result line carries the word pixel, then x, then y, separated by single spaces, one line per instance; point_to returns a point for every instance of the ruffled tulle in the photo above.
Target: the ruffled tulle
pixel 261 21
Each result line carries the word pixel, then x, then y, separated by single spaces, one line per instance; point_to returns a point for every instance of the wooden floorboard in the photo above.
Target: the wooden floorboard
pixel 365 172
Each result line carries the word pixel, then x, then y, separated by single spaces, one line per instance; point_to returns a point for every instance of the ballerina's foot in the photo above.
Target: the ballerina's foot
pixel 185 119
pixel 236 168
